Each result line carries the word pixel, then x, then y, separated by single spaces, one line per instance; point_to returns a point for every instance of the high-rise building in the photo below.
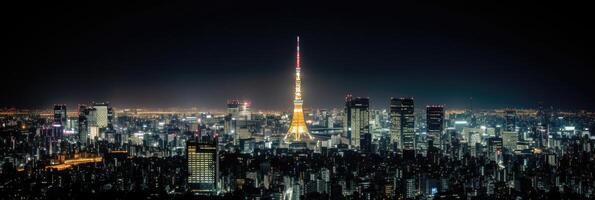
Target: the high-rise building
pixel 101 114
pixel 509 140
pixel 110 118
pixel 366 143
pixel 357 119
pixel 298 130
pixel 233 110
pixel 435 124
pixel 510 120
pixel 495 149
pixel 326 119
pixel 92 117
pixel 245 112
pixel 60 115
pixel 402 123
pixel 83 124
pixel 60 120
pixel 203 166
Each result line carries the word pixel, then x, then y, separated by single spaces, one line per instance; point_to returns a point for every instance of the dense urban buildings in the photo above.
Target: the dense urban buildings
pixel 184 153
pixel 353 153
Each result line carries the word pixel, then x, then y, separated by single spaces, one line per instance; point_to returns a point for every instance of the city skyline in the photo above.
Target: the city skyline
pixel 177 55
pixel 292 101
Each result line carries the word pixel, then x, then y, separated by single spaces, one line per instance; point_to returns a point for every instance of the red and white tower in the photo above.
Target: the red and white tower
pixel 298 131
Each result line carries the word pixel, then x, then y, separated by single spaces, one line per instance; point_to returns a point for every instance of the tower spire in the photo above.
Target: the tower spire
pixel 297 65
pixel 298 78
pixel 297 129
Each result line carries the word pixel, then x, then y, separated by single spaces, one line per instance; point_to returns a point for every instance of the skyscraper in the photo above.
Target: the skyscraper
pixel 60 115
pixel 233 110
pixel 102 113
pixel 203 166
pixel 357 119
pixel 83 126
pixel 60 119
pixel 245 112
pixel 297 129
pixel 510 120
pixel 110 118
pixel 402 123
pixel 509 136
pixel 509 140
pixel 435 124
pixel 366 143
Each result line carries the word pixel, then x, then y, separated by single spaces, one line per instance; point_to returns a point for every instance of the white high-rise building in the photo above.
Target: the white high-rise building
pixel 101 112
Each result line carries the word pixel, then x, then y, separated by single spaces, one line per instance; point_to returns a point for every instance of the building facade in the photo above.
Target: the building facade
pixel 402 127
pixel 435 124
pixel 357 119
pixel 203 166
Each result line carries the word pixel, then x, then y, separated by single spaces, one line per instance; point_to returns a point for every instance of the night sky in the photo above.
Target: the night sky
pixel 163 54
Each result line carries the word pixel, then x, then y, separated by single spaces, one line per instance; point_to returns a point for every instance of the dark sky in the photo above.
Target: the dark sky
pixel 162 54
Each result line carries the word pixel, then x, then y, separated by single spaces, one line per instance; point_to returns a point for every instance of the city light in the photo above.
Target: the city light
pixel 250 100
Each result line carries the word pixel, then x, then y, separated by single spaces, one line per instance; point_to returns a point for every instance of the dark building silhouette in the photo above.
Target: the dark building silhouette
pixel 435 124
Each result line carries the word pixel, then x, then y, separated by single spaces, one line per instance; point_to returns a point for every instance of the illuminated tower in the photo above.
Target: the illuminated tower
pixel 297 129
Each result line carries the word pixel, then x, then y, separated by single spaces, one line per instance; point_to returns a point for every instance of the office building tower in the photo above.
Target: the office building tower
pixel 101 114
pixel 83 124
pixel 298 130
pixel 366 143
pixel 60 115
pixel 110 118
pixel 245 112
pixel 60 120
pixel 93 132
pixel 92 116
pixel 510 120
pixel 230 125
pixel 509 140
pixel 203 166
pixel 495 149
pixel 357 119
pixel 233 110
pixel 435 124
pixel 402 123
pixel 326 119
pixel 71 123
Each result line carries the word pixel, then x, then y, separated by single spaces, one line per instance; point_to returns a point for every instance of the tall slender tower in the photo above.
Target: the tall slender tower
pixel 298 130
